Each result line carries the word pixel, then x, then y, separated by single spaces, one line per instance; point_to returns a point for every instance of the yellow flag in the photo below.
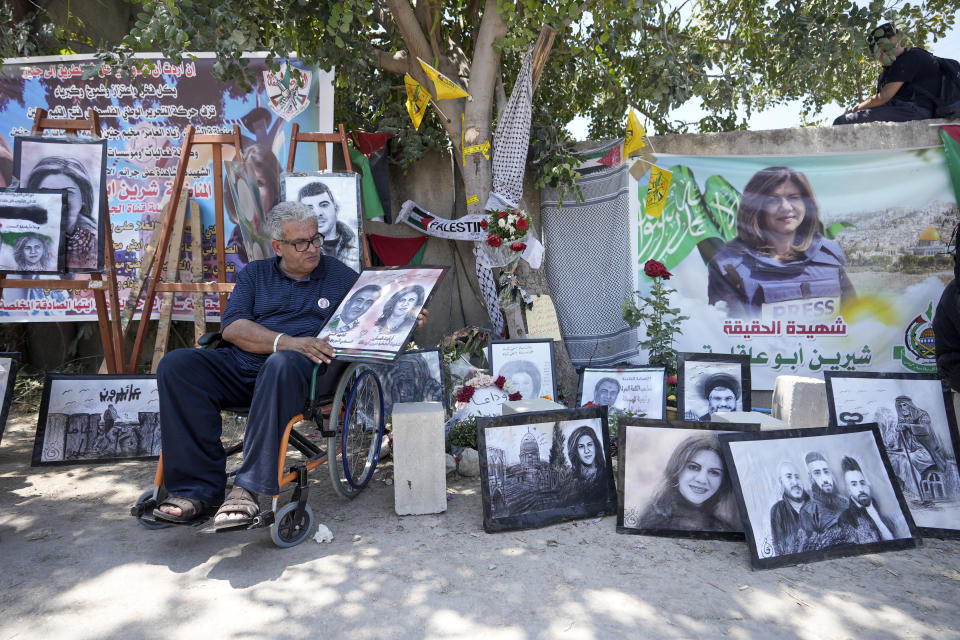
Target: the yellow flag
pixel 633 140
pixel 657 191
pixel 417 100
pixel 446 88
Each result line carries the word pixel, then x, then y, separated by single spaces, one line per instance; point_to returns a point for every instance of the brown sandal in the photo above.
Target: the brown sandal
pixel 191 510
pixel 239 501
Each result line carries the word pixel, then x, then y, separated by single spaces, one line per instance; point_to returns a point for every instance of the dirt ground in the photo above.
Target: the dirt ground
pixel 76 565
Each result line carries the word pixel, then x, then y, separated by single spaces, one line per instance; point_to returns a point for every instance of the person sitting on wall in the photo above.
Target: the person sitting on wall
pixel 272 317
pixel 906 86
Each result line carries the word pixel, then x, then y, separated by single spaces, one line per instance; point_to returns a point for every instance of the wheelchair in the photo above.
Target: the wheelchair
pixel 352 421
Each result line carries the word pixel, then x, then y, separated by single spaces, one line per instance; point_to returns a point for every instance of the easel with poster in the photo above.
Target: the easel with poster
pixel 171 239
pixel 321 139
pixel 109 323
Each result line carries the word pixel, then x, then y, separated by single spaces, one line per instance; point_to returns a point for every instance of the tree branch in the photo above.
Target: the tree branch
pixel 397 62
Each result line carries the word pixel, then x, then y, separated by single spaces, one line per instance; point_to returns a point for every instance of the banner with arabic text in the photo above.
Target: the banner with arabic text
pixel 143 119
pixel 806 263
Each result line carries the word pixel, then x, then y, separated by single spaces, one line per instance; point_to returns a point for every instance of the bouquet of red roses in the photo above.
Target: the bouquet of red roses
pixel 507 226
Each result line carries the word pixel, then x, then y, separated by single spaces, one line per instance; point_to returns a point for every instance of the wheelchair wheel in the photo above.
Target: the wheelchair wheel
pixel 360 434
pixel 289 531
pixel 151 524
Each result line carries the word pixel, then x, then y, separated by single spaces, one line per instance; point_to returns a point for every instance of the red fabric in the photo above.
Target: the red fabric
pixel 396 252
pixel 612 159
pixel 367 143
pixel 953 130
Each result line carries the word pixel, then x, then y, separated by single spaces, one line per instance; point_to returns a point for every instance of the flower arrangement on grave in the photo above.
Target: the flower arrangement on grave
pixel 507 227
pixel 662 321
pixel 465 393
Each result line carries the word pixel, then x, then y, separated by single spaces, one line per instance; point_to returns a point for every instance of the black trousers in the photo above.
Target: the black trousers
pixel 195 384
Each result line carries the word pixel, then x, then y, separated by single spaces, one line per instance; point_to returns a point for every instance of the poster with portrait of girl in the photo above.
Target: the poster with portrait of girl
pixel 376 318
pixel 78 167
pixel 32 227
pixel 673 480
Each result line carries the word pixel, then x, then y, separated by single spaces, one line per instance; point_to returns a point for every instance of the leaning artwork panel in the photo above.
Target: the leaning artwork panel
pixel 545 467
pixel 97 418
pixel 810 494
pixel 32 228
pixel 335 198
pixel 415 376
pixel 918 429
pixel 9 364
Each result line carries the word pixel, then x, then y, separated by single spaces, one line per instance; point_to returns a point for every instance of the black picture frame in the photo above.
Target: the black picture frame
pixel 342 185
pixel 9 367
pixel 741 452
pixel 40 213
pixel 685 368
pixel 367 337
pixel 76 438
pixel 681 431
pixel 500 480
pixel 494 345
pixel 28 151
pixel 391 383
pixel 623 375
pixel 920 489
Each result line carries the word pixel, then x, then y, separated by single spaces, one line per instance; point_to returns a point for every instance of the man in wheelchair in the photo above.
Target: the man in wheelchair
pixel 277 308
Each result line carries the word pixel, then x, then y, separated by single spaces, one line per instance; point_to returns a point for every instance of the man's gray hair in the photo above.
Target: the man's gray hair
pixel 287 212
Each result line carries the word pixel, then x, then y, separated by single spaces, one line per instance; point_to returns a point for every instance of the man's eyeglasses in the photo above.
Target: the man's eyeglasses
pixel 301 245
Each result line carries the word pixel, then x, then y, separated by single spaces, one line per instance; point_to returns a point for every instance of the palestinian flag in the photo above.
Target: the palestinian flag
pixel 950 134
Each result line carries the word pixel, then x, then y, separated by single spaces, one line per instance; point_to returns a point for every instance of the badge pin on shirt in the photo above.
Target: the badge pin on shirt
pixel 323 303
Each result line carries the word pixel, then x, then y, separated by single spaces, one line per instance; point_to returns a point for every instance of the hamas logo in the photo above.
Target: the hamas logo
pixel 917 353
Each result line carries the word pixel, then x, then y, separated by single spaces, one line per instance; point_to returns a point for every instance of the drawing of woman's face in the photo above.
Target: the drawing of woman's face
pixel 523 383
pixel 404 304
pixel 701 477
pixel 586 449
pixel 784 209
pixel 74 198
pixel 33 251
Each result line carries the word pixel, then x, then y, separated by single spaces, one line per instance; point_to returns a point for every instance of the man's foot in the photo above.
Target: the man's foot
pixel 238 510
pixel 180 510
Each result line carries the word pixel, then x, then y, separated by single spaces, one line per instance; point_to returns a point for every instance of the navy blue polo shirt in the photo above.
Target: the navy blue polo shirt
pixel 268 296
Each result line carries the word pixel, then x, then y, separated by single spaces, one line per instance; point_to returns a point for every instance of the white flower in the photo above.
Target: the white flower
pixel 502 222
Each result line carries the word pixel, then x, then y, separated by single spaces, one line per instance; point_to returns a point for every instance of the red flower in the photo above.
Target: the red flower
pixel 465 394
pixel 518 246
pixel 500 381
pixel 513 397
pixel 671 379
pixel 483 224
pixel 522 224
pixel 656 269
pixel 502 214
pixel 494 241
pixel 589 404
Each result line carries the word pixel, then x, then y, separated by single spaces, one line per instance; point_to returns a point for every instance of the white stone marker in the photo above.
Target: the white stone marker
pixel 801 402
pixel 527 406
pixel 766 422
pixel 419 461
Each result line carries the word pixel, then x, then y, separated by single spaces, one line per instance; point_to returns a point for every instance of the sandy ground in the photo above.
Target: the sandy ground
pixel 75 565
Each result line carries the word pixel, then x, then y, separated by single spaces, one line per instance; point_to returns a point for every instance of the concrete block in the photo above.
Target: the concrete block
pixel 419 459
pixel 800 402
pixel 527 406
pixel 766 422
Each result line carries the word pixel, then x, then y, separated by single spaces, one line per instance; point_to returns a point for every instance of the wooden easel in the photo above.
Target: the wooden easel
pixel 109 323
pixel 322 139
pixel 155 282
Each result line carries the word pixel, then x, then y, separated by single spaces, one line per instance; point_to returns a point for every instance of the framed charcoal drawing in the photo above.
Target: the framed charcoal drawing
pixel 673 480
pixel 78 168
pixel 527 364
pixel 97 418
pixel 545 467
pixel 378 315
pixel 9 365
pixel 32 229
pixel 415 376
pixel 918 430
pixel 812 494
pixel 335 197
pixel 712 382
pixel 639 391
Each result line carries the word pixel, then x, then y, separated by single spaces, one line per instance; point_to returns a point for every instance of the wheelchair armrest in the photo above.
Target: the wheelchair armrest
pixel 213 340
